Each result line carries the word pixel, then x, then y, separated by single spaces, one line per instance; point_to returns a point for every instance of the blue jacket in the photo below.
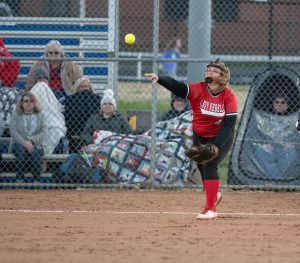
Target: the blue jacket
pixel 170 68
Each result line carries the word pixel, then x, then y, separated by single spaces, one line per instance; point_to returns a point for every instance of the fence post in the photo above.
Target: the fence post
pixel 154 88
pixel 199 37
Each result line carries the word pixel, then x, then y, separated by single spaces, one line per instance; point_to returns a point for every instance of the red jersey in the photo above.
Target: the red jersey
pixel 210 110
pixel 55 78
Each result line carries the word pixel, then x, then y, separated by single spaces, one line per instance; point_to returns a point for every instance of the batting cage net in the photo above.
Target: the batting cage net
pixel 77 110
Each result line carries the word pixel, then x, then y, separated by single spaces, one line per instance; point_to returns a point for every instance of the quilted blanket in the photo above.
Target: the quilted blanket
pixel 127 157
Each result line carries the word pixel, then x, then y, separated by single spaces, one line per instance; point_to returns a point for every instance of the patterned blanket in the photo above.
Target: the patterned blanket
pixel 126 158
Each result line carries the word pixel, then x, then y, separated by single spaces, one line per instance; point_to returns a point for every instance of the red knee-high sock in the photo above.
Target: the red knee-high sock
pixel 211 190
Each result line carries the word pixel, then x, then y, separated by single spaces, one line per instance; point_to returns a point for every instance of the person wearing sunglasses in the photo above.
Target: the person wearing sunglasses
pixel 280 106
pixel 62 73
pixel 27 129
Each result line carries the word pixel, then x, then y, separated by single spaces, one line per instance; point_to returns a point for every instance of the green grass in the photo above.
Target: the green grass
pixel 124 106
pixel 240 88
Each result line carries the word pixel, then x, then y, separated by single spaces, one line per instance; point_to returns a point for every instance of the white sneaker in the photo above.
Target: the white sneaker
pixel 207 215
pixel 219 198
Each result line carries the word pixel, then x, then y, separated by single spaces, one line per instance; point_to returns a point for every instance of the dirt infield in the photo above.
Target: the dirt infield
pixel 147 226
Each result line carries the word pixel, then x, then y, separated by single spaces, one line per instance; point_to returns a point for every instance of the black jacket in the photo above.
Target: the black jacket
pixel 78 109
pixel 116 123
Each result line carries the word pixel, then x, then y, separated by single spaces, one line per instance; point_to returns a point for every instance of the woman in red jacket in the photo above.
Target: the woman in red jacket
pixel 9 69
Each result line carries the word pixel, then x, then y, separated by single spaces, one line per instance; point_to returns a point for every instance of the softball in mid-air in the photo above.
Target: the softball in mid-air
pixel 130 39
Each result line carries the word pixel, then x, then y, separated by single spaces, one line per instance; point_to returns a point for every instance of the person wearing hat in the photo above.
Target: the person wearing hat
pixel 178 106
pixel 214 108
pixel 108 119
pixel 62 74
pixel 9 69
pixel 51 108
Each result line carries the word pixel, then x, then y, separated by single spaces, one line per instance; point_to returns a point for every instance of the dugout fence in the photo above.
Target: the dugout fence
pixel 250 36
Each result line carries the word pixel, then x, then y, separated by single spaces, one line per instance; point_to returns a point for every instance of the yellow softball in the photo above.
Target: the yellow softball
pixel 130 39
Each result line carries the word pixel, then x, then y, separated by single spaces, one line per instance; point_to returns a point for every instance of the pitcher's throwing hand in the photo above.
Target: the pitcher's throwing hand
pixel 152 76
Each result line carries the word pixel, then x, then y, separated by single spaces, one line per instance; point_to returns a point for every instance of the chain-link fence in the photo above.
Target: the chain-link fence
pixel 67 54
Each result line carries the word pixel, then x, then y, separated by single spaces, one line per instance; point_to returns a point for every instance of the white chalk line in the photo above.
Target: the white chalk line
pixel 141 212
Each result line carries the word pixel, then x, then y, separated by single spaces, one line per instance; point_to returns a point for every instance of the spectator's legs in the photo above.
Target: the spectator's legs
pixel 36 159
pixel 75 145
pixel 21 158
pixel 54 167
pixel 59 146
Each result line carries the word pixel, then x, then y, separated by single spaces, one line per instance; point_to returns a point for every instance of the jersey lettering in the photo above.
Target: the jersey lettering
pixel 213 109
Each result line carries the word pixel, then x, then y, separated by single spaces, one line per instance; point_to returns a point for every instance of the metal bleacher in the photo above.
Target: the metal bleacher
pixel 85 40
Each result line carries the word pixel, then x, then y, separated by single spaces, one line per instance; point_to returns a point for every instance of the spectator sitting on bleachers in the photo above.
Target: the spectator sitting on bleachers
pixel 51 108
pixel 63 74
pixel 108 119
pixel 27 129
pixel 9 69
pixel 78 109
pixel 178 106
